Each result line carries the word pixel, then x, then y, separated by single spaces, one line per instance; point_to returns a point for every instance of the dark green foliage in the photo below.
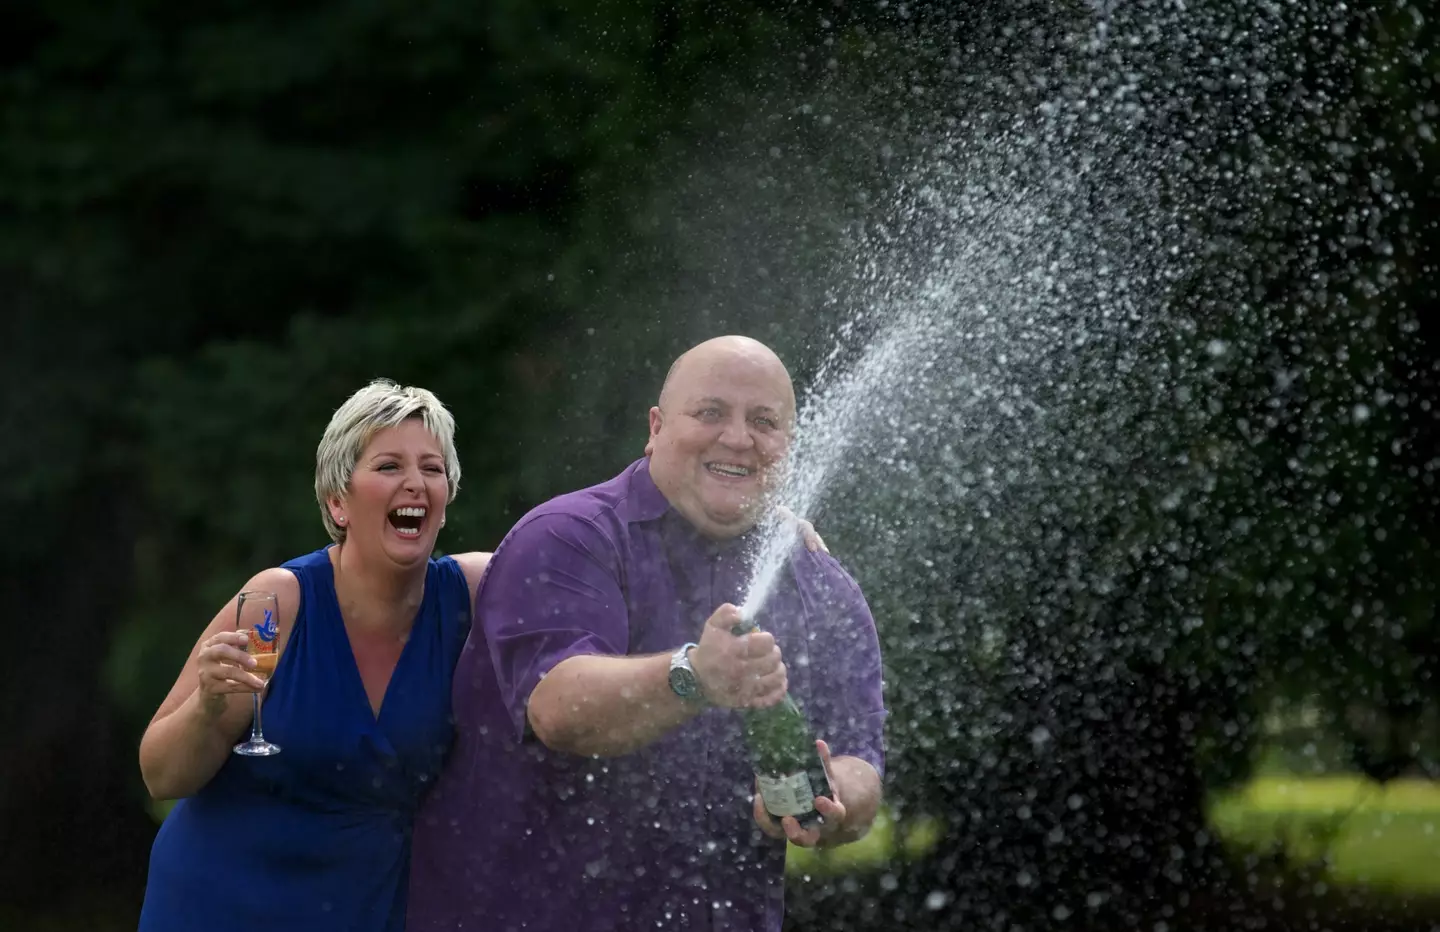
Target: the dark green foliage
pixel 217 221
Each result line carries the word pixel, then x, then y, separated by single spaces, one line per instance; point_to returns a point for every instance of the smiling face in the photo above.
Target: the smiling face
pixel 720 434
pixel 395 502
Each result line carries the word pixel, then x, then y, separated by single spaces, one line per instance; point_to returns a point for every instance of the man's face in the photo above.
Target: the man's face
pixel 720 434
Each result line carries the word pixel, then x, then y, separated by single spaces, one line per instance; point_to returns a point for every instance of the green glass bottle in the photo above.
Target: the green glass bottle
pixel 782 749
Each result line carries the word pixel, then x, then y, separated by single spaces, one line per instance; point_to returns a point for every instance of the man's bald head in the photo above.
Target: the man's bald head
pixel 720 431
pixel 717 348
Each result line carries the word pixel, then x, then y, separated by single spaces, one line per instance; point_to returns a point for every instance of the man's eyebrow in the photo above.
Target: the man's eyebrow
pixel 753 409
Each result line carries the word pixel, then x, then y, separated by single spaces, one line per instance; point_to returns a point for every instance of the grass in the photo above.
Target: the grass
pixel 886 843
pixel 1352 831
pixel 1358 833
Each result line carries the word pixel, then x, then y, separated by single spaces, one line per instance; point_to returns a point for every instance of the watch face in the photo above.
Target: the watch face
pixel 682 681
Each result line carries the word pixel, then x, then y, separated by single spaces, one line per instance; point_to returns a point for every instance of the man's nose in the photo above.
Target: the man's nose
pixel 737 434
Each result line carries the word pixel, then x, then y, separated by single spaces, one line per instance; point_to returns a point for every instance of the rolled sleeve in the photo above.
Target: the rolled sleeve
pixel 552 592
pixel 849 702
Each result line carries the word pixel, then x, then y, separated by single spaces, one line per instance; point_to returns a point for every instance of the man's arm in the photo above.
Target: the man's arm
pixel 858 786
pixel 604 706
pixel 556 621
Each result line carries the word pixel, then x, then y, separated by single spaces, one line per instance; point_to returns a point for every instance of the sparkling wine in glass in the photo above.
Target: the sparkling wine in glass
pixel 258 614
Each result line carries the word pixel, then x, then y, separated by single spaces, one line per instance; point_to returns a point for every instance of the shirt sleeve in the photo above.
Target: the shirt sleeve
pixel 847 680
pixel 552 591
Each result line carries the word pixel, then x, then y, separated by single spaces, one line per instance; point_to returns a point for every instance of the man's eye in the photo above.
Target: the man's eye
pixel 769 422
pixel 709 414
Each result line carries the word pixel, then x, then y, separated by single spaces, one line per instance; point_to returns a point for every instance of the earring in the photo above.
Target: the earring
pixel 442 522
pixel 340 520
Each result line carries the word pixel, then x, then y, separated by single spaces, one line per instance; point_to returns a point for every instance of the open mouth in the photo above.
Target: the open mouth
pixel 729 470
pixel 407 521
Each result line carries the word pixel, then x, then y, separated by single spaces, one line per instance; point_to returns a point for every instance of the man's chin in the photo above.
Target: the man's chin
pixel 723 525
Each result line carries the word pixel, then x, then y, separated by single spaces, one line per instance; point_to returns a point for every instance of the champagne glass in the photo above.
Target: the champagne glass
pixel 258 615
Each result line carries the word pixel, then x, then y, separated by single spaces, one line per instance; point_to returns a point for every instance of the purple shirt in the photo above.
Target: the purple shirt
pixel 516 836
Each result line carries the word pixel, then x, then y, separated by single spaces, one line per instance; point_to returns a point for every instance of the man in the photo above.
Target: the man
pixel 584 791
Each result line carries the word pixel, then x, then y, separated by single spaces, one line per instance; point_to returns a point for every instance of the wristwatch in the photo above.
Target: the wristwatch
pixel 682 675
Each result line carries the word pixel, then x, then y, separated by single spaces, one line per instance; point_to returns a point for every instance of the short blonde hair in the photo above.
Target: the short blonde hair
pixel 377 406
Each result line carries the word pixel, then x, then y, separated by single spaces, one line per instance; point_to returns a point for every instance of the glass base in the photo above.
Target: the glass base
pixel 253 748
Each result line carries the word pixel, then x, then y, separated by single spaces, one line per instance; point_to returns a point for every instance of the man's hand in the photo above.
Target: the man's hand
pixel 831 809
pixel 743 672
pixel 813 541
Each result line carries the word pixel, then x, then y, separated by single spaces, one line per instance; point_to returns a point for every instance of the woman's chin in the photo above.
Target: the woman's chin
pixel 409 550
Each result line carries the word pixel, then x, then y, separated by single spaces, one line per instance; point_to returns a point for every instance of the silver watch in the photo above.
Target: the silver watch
pixel 683 681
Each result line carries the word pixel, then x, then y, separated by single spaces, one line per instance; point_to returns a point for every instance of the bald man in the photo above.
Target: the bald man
pixel 590 789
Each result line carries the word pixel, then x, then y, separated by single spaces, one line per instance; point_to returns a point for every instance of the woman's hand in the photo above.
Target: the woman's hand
pixel 225 666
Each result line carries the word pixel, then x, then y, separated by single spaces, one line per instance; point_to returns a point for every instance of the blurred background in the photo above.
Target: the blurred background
pixel 1145 505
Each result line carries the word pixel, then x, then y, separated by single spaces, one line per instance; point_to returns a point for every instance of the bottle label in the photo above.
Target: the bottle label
pixel 787 795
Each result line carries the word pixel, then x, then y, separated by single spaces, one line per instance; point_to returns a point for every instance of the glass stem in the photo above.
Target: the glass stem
pixel 257 734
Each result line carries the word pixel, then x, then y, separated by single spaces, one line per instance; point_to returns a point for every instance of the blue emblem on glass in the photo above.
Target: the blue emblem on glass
pixel 269 629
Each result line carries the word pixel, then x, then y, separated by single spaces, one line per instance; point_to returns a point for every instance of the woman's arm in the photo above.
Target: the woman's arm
pixel 473 566
pixel 209 707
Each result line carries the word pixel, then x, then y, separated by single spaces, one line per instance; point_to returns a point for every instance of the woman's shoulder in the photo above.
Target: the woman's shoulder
pixel 309 561
pixel 471 565
pixel 284 583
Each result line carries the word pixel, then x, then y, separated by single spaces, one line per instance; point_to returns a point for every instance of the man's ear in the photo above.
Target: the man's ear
pixel 657 420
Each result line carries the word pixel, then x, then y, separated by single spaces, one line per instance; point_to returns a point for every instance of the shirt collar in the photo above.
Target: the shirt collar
pixel 647 503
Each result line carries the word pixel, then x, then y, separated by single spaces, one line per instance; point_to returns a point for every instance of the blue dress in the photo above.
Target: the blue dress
pixel 318 837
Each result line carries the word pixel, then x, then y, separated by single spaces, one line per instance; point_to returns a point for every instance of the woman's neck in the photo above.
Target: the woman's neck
pixel 376 598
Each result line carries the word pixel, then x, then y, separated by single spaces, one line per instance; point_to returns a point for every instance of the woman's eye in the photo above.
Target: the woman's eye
pixel 383 467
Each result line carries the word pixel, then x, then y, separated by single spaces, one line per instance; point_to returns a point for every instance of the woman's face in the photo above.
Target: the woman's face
pixel 395 504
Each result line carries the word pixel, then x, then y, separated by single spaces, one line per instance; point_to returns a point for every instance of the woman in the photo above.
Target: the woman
pixel 370 628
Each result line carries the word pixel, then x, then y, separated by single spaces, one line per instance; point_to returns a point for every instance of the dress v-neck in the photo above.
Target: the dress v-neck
pixel 324 826
pixel 343 639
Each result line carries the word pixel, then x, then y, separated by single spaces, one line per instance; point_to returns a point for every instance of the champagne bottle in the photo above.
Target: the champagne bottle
pixel 782 749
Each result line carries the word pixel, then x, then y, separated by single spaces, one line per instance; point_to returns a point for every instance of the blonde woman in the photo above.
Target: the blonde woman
pixel 370 627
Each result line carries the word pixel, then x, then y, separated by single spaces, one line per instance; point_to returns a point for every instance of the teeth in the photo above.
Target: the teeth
pixel 725 469
pixel 408 532
pixel 410 512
